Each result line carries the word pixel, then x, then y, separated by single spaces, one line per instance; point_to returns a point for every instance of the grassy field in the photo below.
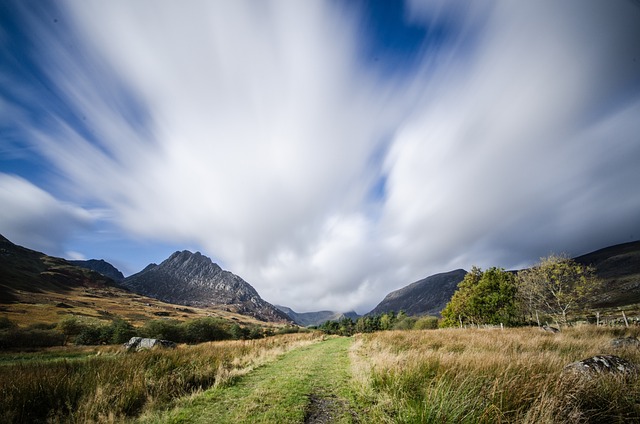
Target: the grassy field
pixel 313 381
pixel 491 376
pixel 111 386
pixel 427 376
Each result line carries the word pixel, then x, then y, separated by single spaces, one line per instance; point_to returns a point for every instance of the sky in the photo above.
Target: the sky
pixel 327 152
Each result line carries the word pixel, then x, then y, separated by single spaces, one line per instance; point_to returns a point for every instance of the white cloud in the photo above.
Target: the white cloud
pixel 254 130
pixel 31 217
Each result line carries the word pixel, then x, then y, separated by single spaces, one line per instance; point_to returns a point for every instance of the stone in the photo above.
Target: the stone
pixel 550 329
pixel 140 343
pixel 625 342
pixel 601 364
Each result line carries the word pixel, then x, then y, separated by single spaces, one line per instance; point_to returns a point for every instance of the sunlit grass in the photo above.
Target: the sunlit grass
pixel 515 375
pixel 112 386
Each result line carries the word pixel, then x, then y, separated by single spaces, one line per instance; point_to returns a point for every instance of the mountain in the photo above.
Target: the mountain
pixel 306 319
pixel 192 279
pixel 425 297
pixel 36 288
pixel 619 267
pixel 24 271
pixel 101 266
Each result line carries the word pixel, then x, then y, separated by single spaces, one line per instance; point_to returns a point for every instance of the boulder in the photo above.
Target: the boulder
pixel 600 364
pixel 141 343
pixel 550 329
pixel 625 342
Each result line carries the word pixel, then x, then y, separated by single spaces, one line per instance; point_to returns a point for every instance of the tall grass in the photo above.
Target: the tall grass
pixel 492 376
pixel 111 387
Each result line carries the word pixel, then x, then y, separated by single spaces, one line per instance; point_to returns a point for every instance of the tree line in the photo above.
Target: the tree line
pixel 80 331
pixel 554 288
pixel 380 322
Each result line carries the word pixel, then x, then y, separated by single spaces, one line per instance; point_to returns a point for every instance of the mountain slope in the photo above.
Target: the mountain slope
pixel 101 266
pixel 306 319
pixel 187 278
pixel 619 267
pixel 25 270
pixel 424 297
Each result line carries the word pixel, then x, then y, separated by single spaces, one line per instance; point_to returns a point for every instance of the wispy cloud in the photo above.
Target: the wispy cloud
pixel 257 131
pixel 31 217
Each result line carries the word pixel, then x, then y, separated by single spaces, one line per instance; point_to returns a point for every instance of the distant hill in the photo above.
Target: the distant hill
pixel 306 319
pixel 37 288
pixel 619 267
pixel 192 279
pixel 424 297
pixel 25 270
pixel 101 266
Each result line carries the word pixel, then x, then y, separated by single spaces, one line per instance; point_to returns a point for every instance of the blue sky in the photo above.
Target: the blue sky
pixel 327 152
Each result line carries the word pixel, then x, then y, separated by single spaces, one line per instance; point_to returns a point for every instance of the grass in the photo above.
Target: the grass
pixel 492 376
pixel 104 303
pixel 311 380
pixel 111 387
pixel 418 376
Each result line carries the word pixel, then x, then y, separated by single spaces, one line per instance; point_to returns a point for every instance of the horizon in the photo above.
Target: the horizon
pixel 327 153
pixel 311 310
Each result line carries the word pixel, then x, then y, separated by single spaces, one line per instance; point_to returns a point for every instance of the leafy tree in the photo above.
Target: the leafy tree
pixel 167 329
pixel 70 326
pixel 121 331
pixel 483 297
pixel 557 286
pixel 426 323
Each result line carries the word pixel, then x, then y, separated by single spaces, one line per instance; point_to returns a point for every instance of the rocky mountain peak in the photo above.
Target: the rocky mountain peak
pixel 188 278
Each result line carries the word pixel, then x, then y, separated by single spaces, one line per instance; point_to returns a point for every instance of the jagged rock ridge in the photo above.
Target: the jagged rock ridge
pixel 188 278
pixel 425 297
pixel 307 319
pixel 101 266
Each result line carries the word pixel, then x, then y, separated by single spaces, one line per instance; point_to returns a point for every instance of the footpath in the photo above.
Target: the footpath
pixel 307 385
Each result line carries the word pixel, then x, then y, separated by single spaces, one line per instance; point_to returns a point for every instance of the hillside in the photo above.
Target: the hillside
pixel 192 279
pixel 101 266
pixel 37 288
pixel 27 271
pixel 424 297
pixel 619 267
pixel 306 319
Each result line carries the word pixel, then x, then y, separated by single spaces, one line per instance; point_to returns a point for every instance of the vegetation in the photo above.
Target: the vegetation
pixel 491 376
pixel 111 385
pixel 86 331
pixel 289 390
pixel 483 297
pixel 557 286
pixel 382 322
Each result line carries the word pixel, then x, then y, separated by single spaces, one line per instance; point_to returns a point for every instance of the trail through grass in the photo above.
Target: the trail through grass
pixel 307 385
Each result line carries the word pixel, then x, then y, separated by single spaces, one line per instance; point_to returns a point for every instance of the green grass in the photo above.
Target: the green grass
pixel 285 391
pixel 492 376
pixel 114 387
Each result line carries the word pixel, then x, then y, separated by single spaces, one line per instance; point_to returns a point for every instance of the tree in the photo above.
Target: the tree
pixel 557 285
pixel 483 297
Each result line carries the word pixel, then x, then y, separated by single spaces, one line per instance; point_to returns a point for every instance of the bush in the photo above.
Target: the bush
pixel 426 323
pixel 17 338
pixel 6 323
pixel 204 330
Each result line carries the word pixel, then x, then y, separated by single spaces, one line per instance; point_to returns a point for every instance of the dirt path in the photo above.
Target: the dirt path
pixel 307 385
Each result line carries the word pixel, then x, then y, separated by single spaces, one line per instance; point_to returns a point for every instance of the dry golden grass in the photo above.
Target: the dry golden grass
pixel 105 304
pixel 114 385
pixel 461 375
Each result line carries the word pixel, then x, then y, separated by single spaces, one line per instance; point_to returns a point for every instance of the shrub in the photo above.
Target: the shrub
pixel 426 323
pixel 18 338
